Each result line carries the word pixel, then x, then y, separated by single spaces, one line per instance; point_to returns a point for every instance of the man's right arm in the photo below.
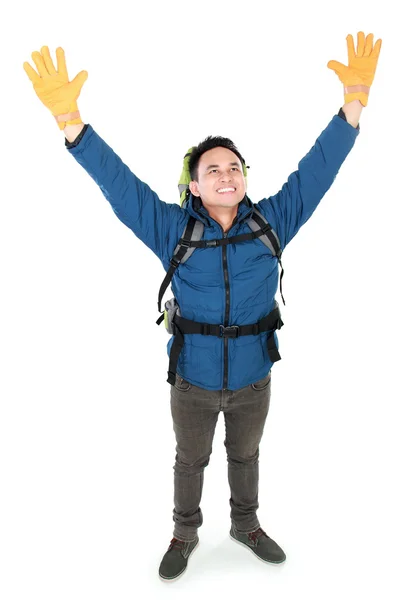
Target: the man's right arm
pixel 154 222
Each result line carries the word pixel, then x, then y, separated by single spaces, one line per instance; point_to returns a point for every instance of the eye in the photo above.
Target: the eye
pixel 212 170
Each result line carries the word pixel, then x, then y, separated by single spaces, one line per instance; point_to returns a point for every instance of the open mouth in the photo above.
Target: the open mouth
pixel 226 191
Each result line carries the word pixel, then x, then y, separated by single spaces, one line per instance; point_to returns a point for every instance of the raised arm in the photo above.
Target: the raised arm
pixel 294 204
pixel 71 132
pixel 154 222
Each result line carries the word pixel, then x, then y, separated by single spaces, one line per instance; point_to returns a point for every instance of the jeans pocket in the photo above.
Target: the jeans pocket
pixel 262 384
pixel 181 384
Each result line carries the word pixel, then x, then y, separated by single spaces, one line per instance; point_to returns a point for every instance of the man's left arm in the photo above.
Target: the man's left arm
pixel 293 205
pixel 352 111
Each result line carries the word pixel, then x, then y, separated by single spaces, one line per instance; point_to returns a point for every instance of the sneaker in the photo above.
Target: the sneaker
pixel 260 544
pixel 175 559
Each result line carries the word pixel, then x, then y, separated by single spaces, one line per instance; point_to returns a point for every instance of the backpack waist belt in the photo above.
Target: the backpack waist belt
pixel 180 325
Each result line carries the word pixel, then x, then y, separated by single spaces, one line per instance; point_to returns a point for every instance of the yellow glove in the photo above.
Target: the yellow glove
pixel 357 78
pixel 54 88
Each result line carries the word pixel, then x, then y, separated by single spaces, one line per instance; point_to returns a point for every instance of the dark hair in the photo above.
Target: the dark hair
pixel 208 144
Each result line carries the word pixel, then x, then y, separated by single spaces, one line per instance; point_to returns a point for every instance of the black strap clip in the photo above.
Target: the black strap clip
pixel 229 332
pixel 174 263
pixel 265 228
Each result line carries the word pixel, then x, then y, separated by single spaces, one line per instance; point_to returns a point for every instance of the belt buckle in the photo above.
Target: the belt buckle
pixel 229 332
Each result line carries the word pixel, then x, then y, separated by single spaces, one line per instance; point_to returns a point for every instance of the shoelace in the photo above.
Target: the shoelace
pixel 254 535
pixel 175 543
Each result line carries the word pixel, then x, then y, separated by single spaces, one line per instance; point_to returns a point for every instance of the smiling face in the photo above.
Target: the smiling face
pixel 221 183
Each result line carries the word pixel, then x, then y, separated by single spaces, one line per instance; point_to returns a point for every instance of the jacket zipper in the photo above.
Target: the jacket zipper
pixel 227 300
pixel 227 309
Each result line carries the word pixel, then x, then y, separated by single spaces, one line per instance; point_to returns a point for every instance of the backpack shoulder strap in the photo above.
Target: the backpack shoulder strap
pixel 193 232
pixel 270 238
pixel 256 222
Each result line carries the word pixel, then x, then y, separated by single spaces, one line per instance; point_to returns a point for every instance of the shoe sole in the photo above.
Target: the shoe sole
pixel 271 562
pixel 170 579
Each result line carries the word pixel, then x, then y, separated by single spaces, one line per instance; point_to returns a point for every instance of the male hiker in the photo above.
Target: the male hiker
pixel 221 254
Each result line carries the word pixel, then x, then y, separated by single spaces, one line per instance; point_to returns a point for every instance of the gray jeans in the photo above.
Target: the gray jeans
pixel 195 414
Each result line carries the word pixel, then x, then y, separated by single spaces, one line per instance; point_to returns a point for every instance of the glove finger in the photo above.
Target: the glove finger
pixel 377 49
pixel 48 61
pixel 77 83
pixel 39 62
pixel 350 47
pixel 33 76
pixel 369 42
pixel 336 66
pixel 360 43
pixel 61 64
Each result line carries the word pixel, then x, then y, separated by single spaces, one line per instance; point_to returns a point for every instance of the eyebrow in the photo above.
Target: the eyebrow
pixel 232 164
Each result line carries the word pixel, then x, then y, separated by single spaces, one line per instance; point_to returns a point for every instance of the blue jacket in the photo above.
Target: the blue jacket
pixel 249 273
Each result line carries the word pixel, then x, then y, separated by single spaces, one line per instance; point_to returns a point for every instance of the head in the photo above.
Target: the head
pixel 216 164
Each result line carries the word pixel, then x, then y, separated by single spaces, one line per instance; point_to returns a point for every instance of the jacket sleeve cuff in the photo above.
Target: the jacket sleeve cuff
pixel 343 116
pixel 77 140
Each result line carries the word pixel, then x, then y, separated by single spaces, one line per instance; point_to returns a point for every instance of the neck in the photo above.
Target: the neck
pixel 223 216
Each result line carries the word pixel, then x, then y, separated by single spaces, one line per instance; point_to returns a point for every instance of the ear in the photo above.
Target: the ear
pixel 194 188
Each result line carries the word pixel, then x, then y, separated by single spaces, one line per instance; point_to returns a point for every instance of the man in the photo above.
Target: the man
pixel 227 319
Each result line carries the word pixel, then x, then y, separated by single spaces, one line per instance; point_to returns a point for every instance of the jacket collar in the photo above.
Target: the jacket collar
pixel 198 211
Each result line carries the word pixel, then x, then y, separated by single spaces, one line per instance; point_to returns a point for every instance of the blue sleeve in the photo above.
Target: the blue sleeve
pixel 153 221
pixel 294 204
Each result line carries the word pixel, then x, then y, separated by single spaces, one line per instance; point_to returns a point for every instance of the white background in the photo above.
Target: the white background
pixel 86 440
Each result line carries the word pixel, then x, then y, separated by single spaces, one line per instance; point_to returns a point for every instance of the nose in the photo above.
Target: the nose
pixel 226 176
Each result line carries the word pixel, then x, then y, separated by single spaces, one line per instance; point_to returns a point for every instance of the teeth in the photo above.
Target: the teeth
pixel 226 190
